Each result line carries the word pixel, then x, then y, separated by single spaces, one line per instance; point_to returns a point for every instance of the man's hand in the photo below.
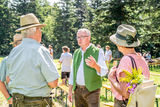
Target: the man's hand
pixel 91 62
pixel 70 93
pixel 70 96
pixel 53 84
pixel 60 62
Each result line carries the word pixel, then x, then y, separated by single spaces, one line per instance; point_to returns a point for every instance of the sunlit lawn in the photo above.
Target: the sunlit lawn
pixel 2 99
pixel 105 81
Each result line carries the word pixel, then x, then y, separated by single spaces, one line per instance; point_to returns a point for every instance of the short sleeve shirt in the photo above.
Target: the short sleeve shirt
pixel 30 68
pixel 107 55
pixel 66 59
pixel 3 73
pixel 3 70
pixel 50 50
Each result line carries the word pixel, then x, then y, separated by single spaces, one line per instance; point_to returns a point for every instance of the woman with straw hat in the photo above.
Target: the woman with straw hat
pixel 126 40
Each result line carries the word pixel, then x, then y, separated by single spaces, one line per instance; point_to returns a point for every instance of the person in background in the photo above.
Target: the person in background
pixel 43 44
pixel 17 38
pixel 98 46
pixel 144 55
pixel 31 71
pixel 148 57
pixel 50 48
pixel 108 56
pixel 87 69
pixel 69 50
pixel 126 40
pixel 65 60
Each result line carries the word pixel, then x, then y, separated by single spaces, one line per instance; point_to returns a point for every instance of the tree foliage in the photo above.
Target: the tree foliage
pixel 6 27
pixel 65 17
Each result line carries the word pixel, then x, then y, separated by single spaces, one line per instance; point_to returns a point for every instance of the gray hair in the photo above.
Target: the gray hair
pixel 27 32
pixel 84 30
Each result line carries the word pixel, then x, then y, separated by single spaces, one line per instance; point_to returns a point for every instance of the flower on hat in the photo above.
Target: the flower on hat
pixel 130 39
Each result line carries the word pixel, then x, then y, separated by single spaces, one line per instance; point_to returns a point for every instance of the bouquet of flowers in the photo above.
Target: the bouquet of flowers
pixel 132 79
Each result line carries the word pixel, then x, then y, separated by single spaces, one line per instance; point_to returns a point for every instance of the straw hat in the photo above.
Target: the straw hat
pixel 28 21
pixel 126 36
pixel 16 37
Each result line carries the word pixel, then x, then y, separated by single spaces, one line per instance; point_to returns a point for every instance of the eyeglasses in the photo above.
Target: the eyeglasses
pixel 81 37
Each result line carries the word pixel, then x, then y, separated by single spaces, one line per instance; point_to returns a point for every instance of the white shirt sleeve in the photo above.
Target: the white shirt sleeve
pixel 61 58
pixel 105 56
pixel 101 62
pixel 52 50
pixel 110 52
pixel 71 76
pixel 48 67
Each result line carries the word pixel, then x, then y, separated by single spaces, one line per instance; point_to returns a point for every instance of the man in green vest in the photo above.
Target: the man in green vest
pixel 87 69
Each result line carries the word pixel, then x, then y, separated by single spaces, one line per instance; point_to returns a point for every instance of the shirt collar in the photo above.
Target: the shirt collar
pixel 86 48
pixel 29 40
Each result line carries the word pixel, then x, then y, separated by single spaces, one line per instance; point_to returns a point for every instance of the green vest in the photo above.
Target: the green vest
pixel 92 80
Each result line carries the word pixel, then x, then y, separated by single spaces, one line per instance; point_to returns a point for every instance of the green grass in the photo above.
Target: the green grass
pixel 157 82
pixel 105 81
pixel 2 99
pixel 1 58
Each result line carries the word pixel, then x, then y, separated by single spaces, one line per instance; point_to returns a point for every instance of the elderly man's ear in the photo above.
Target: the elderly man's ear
pixel 7 79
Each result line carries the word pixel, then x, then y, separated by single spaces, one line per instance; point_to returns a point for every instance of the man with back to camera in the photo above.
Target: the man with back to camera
pixel 31 70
